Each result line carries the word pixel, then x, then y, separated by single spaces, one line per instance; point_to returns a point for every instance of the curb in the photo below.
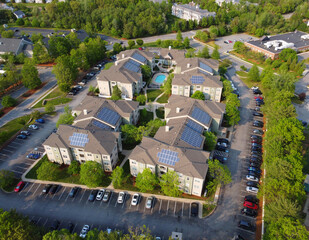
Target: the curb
pixel 44 95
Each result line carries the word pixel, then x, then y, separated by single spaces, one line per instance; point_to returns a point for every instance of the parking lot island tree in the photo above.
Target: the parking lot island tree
pixel 146 181
pixel 30 75
pixel 48 171
pixel 169 184
pixel 254 74
pixel 215 53
pixel 117 176
pixel 61 235
pixel 219 172
pixel 7 178
pixel 91 174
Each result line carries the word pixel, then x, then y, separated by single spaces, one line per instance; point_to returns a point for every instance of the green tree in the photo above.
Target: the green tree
pixel 179 36
pixel 167 87
pixel 215 53
pixel 140 42
pixel 73 39
pixel 131 43
pixel 186 43
pixel 169 184
pixel 146 181
pixel 238 46
pixel 7 34
pixel 288 53
pixel 7 178
pixel 146 72
pixel 210 141
pixel 62 234
pixel 65 71
pixel 198 95
pixel 227 88
pixel 254 74
pixel 117 176
pixel 48 171
pixel 91 174
pixel 40 53
pixel 219 172
pixel 49 107
pixel 116 95
pixel 20 22
pixel 204 53
pixel 59 46
pixel 74 168
pixel 259 32
pixel 66 117
pixel 8 101
pixel 131 134
pixel 117 48
pixel 231 109
pixel 30 75
pixel 36 37
pixel 141 99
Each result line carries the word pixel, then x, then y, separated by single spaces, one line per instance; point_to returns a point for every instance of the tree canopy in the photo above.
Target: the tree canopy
pixel 48 171
pixel 117 176
pixel 169 184
pixel 146 181
pixel 198 95
pixel 30 75
pixel 91 174
pixel 66 117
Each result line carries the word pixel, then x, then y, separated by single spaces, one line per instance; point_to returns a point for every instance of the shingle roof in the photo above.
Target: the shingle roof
pixel 194 9
pixel 10 45
pixel 191 162
pixel 19 13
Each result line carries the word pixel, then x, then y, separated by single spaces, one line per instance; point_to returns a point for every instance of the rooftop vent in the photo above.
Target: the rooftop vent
pixel 188 65
pixel 85 112
pixel 122 55
pixel 178 110
pixel 167 128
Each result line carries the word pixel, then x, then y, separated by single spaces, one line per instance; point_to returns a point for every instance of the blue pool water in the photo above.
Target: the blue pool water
pixel 160 79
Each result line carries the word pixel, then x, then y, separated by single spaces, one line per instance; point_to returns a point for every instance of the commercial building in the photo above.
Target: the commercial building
pixel 220 2
pixel 271 46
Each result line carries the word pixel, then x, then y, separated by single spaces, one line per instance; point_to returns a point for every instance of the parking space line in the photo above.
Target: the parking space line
pixel 38 220
pixel 101 202
pixel 175 208
pixel 168 204
pixel 82 196
pixel 67 196
pixel 160 205
pixel 17 171
pixel 116 203
pixel 124 201
pixel 62 193
pixel 27 183
pixel 74 227
pixel 7 150
pixel 110 199
pixel 183 204
pixel 45 222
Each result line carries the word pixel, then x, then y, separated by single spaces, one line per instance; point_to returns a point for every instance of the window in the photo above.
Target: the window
pixel 48 148
pixel 89 154
pixel 106 163
pixel 188 178
pixel 81 150
pixel 112 161
pixel 65 156
pixel 82 155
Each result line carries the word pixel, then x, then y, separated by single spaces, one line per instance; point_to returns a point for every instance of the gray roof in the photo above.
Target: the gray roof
pixel 99 141
pixel 195 9
pixel 132 53
pixel 10 45
pixel 291 37
pixel 19 13
pixel 191 162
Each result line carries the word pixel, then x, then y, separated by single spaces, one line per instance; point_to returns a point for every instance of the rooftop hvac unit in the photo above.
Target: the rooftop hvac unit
pixel 305 37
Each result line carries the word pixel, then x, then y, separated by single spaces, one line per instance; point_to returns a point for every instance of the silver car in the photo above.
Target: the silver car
pixel 84 231
pixel 100 195
pixel 121 197
pixel 149 202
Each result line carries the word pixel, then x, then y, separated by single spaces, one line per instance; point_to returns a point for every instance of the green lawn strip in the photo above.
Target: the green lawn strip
pixel 163 98
pixel 57 101
pixel 160 112
pixel 249 83
pixel 242 73
pixel 12 186
pixel 153 94
pixel 32 173
pixel 108 65
pixel 207 209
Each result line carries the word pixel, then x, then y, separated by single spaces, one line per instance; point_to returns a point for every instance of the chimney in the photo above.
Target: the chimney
pixel 188 65
pixel 177 109
pixel 167 128
pixel 122 55
pixel 116 63
pixel 169 47
pixel 85 112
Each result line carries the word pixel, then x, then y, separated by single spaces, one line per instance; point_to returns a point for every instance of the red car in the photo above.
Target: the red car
pixel 250 205
pixel 19 186
pixel 258 97
pixel 230 41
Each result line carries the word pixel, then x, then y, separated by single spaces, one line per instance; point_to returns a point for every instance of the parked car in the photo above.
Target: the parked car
pixel 254 88
pixel 257 109
pixel 34 155
pixel 253 152
pixel 19 186
pixel 73 192
pixel 230 41
pixel 255 164
pixel 53 189
pixel 72 92
pixel 70 227
pixel 33 126
pixel 220 158
pixel 84 231
pixel 222 148
pixel 258 97
pixel 252 184
pixel 223 140
pixel 21 136
pixel 226 41
pixel 256 149
pixel 256 145
pixel 100 194
pixel 40 120
pixel 258 141
pixel 249 212
pixel 257 114
pixel 47 188
pixel 27 133
pixel 107 195
pixel 194 209
pixel 254 169
pixel 92 195
pixel 135 199
pixel 257 156
pixel 246 225
pixel 258 124
pixel 259 100
pixel 258 104
pixel 252 198
pixel 254 174
pixel 54 225
pixel 255 160
pixel 149 202
pixel 251 205
pixel 258 131
pixel 252 189
pixel 256 137
pixel 257 91
pixel 252 178
pixel 121 197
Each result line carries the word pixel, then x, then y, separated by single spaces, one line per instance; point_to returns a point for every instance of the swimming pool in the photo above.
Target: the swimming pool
pixel 160 78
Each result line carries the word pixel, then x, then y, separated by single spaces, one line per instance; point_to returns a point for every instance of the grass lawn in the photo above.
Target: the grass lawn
pixel 207 208
pixel 160 112
pixel 144 119
pixel 56 93
pixel 12 186
pixel 163 98
pixel 12 127
pixel 249 83
pixel 108 65
pixel 32 173
pixel 242 73
pixel 213 44
pixel 153 94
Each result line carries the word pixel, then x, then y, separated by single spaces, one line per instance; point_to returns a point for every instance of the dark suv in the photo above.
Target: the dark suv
pixel 249 212
pixel 246 225
pixel 194 209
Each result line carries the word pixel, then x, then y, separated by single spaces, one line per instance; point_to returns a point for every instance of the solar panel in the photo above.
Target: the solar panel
pixel 200 115
pixel 100 125
pixel 109 116
pixel 168 157
pixel 195 126
pixel 206 67
pixel 197 79
pixel 139 57
pixel 79 139
pixel 191 137
pixel 132 66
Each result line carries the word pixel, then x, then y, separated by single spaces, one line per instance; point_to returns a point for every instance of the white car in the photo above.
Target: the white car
pixel 252 189
pixel 252 178
pixel 100 195
pixel 121 197
pixel 254 88
pixel 33 126
pixel 108 230
pixel 149 202
pixel 84 231
pixel 135 199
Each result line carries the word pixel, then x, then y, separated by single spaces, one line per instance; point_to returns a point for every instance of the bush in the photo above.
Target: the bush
pixel 302 96
pixel 243 68
pixel 49 108
pixel 48 171
pixel 6 178
pixel 8 101
pixel 141 99
pixel 74 168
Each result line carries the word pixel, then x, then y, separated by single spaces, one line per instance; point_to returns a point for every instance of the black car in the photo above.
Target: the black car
pixel 246 225
pixel 256 149
pixel 258 131
pixel 256 153
pixel 236 92
pixel 194 209
pixel 223 140
pixel 73 192
pixel 256 137
pixel 54 225
pixel 252 198
pixel 253 173
pixel 252 184
pixel 47 188
pixel 73 91
pixel 53 189
pixel 255 159
pixel 70 227
pixel 258 124
pixel 220 158
pixel 249 212
pixel 255 164
pixel 257 156
pixel 257 114
pixel 256 145
pixel 92 195
pixel 257 91
pixel 255 140
pixel 222 148
pixel 21 136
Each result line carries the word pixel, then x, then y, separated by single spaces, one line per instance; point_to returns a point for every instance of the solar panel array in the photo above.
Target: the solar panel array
pixel 132 66
pixel 195 126
pixel 200 115
pixel 109 116
pixel 100 125
pixel 191 137
pixel 197 79
pixel 139 57
pixel 168 157
pixel 206 67
pixel 79 139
